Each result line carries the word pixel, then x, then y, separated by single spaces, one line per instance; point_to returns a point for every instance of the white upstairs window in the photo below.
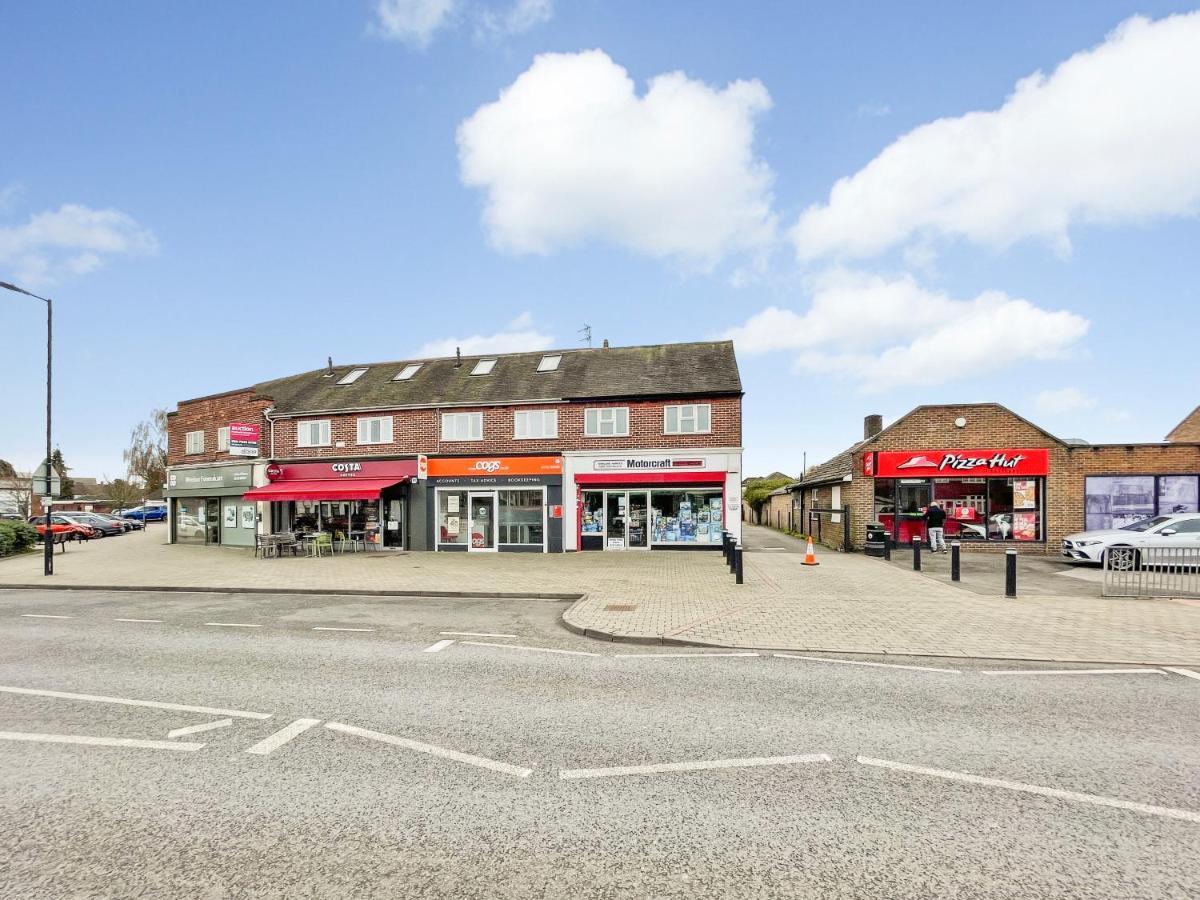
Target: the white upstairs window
pixel 606 421
pixel 352 376
pixel 375 430
pixel 484 367
pixel 223 438
pixel 693 418
pixel 313 433
pixel 195 442
pixel 535 424
pixel 462 426
pixel 549 363
pixel 407 372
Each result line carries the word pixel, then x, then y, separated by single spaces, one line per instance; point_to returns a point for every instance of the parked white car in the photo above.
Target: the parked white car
pixel 1180 530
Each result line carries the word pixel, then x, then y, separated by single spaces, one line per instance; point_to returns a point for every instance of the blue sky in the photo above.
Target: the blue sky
pixel 220 194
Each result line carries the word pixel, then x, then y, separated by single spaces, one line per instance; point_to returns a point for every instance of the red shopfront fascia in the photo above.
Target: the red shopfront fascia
pixel 976 463
pixel 342 480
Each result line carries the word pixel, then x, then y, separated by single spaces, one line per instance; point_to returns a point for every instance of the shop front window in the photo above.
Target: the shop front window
pixel 964 501
pixel 977 509
pixel 686 517
pixel 190 520
pixel 592 514
pixel 521 518
pixel 452 522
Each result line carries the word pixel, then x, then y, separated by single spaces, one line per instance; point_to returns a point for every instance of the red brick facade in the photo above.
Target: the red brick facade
pixel 207 414
pixel 1188 429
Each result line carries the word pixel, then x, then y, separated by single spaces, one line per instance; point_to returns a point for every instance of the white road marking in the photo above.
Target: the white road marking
pixel 137 620
pixel 439 646
pixel 196 729
pixel 332 628
pixel 476 634
pixel 696 766
pixel 1186 673
pixel 232 625
pixel 855 662
pixel 176 707
pixel 535 649
pixel 1145 808
pixel 481 761
pixel 282 736
pixel 678 655
pixel 42 616
pixel 1074 672
pixel 98 741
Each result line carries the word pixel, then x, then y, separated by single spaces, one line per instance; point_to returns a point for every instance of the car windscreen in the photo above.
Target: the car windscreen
pixel 1145 524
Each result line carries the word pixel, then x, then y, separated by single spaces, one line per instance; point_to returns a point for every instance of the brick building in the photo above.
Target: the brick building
pixel 608 448
pixel 1003 481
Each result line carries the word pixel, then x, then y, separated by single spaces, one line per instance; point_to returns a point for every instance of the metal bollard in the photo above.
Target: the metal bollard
pixel 887 548
pixel 916 554
pixel 955 562
pixel 732 553
pixel 1010 573
pixel 725 545
pixel 737 552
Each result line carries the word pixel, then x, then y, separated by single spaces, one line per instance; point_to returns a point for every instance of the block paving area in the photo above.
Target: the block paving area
pixel 849 603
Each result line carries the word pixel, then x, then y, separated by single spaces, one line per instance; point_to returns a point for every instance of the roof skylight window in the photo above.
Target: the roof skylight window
pixel 352 376
pixel 407 372
pixel 484 367
pixel 549 363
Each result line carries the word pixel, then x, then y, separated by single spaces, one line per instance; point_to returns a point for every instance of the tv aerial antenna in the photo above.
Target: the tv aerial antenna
pixel 586 331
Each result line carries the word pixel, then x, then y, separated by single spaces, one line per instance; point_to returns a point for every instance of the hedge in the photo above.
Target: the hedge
pixel 16 537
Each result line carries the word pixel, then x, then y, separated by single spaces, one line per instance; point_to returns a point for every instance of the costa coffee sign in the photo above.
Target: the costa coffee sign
pixel 949 463
pixel 325 471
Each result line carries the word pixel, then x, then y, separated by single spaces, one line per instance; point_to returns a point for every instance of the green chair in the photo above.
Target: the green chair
pixel 323 544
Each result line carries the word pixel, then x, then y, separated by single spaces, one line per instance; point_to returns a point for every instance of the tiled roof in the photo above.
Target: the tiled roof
pixel 834 469
pixel 660 370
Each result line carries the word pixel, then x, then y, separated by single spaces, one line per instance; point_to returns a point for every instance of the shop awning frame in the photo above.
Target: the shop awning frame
pixel 326 489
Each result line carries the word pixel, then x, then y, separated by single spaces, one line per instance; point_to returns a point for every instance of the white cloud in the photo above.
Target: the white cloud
pixel 570 153
pixel 1062 401
pixel 517 19
pixel 71 240
pixel 519 335
pixel 888 333
pixel 412 21
pixel 1110 137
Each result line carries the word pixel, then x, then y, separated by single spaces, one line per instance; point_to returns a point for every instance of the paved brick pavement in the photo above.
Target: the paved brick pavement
pixel 847 604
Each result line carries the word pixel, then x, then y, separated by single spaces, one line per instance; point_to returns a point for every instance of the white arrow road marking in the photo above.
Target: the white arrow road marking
pixel 1145 808
pixel 231 625
pixel 677 655
pixel 282 736
pixel 138 620
pixel 534 649
pixel 875 665
pixel 98 741
pixel 698 765
pixel 332 628
pixel 439 646
pixel 1186 673
pixel 1074 672
pixel 42 616
pixel 475 634
pixel 196 729
pixel 176 707
pixel 481 761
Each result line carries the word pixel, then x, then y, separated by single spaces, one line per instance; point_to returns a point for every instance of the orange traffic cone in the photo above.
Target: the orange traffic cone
pixel 810 558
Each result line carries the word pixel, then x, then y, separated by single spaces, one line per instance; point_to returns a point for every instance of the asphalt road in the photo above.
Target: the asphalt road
pixel 372 795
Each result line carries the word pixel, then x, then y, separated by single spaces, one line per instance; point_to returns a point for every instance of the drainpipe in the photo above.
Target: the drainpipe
pixel 267 415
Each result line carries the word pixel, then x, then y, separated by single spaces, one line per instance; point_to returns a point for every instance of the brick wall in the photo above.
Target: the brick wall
pixel 207 414
pixel 777 511
pixel 419 430
pixel 1188 429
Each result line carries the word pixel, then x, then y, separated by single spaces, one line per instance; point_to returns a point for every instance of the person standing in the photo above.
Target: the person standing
pixel 935 526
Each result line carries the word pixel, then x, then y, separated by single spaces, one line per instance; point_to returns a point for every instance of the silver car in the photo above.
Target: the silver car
pixel 1122 544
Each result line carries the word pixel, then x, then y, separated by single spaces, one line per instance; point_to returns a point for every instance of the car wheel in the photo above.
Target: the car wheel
pixel 1123 559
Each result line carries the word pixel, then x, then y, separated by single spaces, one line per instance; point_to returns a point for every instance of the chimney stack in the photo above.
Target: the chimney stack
pixel 872 425
pixel 604 346
pixel 458 357
pixel 329 367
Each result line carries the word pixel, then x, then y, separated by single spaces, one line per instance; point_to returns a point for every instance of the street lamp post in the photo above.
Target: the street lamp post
pixel 48 534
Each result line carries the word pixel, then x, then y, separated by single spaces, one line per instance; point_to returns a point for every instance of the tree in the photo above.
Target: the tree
pixel 756 490
pixel 123 494
pixel 66 490
pixel 146 457
pixel 7 470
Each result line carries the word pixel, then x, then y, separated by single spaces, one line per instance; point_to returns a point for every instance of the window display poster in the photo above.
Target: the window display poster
pixel 452 503
pixel 1024 494
pixel 248 516
pixel 1024 526
pixel 1177 494
pixel 231 516
pixel 1116 501
pixel 453 524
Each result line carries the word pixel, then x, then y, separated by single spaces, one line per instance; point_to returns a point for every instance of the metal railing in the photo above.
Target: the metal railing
pixel 1152 571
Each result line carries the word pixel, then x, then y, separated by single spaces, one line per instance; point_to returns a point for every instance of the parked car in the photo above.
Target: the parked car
pixel 148 513
pixel 59 525
pixel 127 524
pixel 106 527
pixel 1123 544
pixel 189 526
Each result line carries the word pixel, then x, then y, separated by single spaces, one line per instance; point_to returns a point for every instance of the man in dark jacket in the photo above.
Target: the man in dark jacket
pixel 935 525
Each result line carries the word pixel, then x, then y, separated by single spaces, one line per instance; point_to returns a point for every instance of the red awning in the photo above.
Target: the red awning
pixel 331 489
pixel 651 478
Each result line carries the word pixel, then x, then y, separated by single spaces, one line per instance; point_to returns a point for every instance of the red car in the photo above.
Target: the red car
pixel 75 530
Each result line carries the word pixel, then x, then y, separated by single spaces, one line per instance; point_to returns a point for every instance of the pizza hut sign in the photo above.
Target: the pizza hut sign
pixel 948 463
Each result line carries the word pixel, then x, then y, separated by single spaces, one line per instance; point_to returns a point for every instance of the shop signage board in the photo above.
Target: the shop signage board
pixel 634 464
pixel 495 466
pixel 324 471
pixel 243 439
pixel 211 480
pixel 958 463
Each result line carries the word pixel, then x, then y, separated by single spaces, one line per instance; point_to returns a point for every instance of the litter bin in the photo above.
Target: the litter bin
pixel 876 539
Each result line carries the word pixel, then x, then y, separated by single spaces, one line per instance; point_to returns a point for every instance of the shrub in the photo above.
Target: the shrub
pixel 16 537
